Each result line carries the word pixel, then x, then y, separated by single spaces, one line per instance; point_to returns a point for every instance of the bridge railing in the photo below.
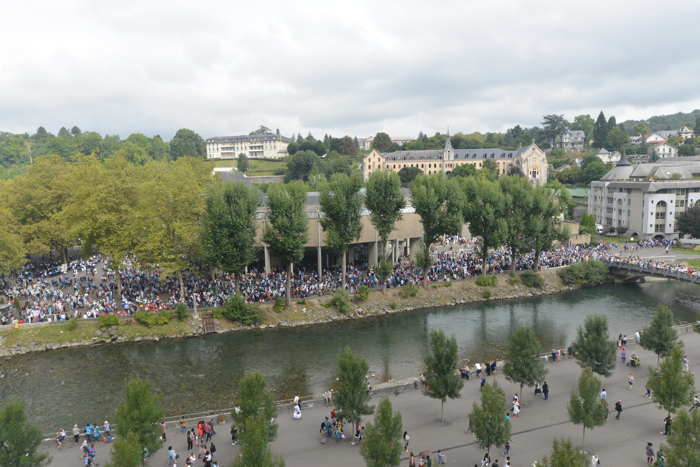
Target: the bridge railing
pixel 654 271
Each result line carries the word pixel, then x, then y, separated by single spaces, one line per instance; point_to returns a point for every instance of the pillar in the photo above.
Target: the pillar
pixel 268 270
pixel 319 261
pixel 408 247
pixel 372 256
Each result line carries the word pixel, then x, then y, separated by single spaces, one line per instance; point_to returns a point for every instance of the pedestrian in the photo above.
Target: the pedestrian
pixel 406 439
pixel 486 460
pixel 495 463
pixel 441 459
pixel 595 462
pixel 212 448
pixel 482 382
pixel 660 458
pixel 623 355
pixel 76 433
pixel 667 425
pixel 618 409
pixel 603 394
pixel 545 390
pixel 411 460
pixel 506 449
pixel 649 453
pixel 190 440
pixel 60 437
pixel 630 382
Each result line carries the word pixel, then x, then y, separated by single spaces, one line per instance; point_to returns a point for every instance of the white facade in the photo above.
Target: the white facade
pixel 662 151
pixel 572 140
pixel 608 157
pixel 266 145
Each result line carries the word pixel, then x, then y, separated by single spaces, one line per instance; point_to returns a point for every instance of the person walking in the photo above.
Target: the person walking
pixel 545 390
pixel 649 451
pixel 406 439
pixel 630 382
pixel 618 409
pixel 667 425
pixel 506 449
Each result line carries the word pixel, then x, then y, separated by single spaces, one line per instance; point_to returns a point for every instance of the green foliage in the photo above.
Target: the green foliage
pixel 71 325
pixel 438 201
pixel 242 163
pixel 688 223
pixel 485 213
pixel 362 293
pixel 593 347
pixel 237 310
pixel 340 300
pixel 255 450
pixel 186 143
pixel 384 199
pixel 382 444
pixel 139 415
pixel 672 387
pixel 408 291
pixel 181 312
pixel 523 364
pixel 564 454
pixel 300 165
pixel 19 440
pixel 684 441
pixel 280 304
pixel 126 452
pixel 590 273
pixel 393 305
pixel 586 408
pixel 486 294
pixel 383 270
pixel 532 279
pixel 659 336
pixel 486 281
pixel 408 174
pixel 254 400
pixel 150 319
pixel 351 396
pixel 423 259
pixel 382 142
pixel 107 321
pixel 489 424
pixel 441 378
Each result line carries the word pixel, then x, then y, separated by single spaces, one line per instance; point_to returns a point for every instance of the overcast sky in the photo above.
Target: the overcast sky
pixel 352 67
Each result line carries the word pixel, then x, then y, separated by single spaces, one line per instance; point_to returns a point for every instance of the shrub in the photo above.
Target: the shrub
pixel 72 324
pixel 107 321
pixel 486 294
pixel 532 279
pixel 279 305
pixel 408 291
pixel 237 310
pixel 585 274
pixel 513 280
pixel 153 319
pixel 362 293
pixel 486 281
pixel 340 300
pixel 392 305
pixel 181 312
pixel 301 301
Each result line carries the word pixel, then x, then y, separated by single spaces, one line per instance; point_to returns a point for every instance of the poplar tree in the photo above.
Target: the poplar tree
pixel 684 440
pixel 139 415
pixel 586 408
pixel 564 454
pixel 672 387
pixel 523 363
pixel 19 440
pixel 286 232
pixel 489 424
pixel 351 396
pixel 441 378
pixel 254 400
pixel 127 452
pixel 484 212
pixel 255 449
pixel 593 348
pixel 382 444
pixel 341 203
pixel 385 201
pixel 659 336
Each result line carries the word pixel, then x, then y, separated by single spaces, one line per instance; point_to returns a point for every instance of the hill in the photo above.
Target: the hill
pixel 668 122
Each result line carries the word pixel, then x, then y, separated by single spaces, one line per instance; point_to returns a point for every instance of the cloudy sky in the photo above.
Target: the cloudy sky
pixel 355 67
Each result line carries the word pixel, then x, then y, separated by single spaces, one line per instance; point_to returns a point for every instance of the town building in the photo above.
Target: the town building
pixel 572 140
pixel 260 144
pixel 644 200
pixel 662 151
pixel 608 157
pixel 365 144
pixel 529 160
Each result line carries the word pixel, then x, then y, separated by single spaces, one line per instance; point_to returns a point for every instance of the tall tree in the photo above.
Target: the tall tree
pixel 341 203
pixel 139 415
pixel 19 440
pixel 408 174
pixel 523 364
pixel 489 425
pixel 517 192
pixel 382 142
pixel 593 347
pixel 484 212
pixel 382 444
pixel 600 131
pixel 300 165
pixel 564 454
pixel 659 336
pixel 228 235
pixel 672 387
pixel 688 223
pixel 586 408
pixel 586 124
pixel 255 449
pixel 242 163
pixel 438 201
pixel 617 138
pixel 385 201
pixel 186 143
pixel 554 126
pixel 127 452
pixel 254 400
pixel 12 250
pixel 684 440
pixel 286 232
pixel 542 221
pixel 351 396
pixel 441 378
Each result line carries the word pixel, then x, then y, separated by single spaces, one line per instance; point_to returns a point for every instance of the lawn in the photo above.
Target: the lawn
pixel 50 334
pixel 694 263
pixel 257 167
pixel 683 251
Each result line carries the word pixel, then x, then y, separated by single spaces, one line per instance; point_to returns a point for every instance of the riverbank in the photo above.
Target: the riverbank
pixel 48 336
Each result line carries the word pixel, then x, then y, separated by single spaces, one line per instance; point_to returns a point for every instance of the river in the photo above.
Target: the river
pixel 82 385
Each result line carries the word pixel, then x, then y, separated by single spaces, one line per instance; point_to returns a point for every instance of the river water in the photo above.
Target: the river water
pixel 85 385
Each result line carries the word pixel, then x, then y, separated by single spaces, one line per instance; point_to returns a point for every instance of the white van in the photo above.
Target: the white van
pixel 599 228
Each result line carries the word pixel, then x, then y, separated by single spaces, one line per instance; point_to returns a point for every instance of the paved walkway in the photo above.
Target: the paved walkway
pixel 618 443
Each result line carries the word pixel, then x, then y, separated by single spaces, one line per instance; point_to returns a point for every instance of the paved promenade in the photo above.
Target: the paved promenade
pixel 618 443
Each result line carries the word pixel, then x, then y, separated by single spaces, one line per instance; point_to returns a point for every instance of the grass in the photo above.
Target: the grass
pixel 49 334
pixel 694 263
pixel 683 251
pixel 130 329
pixel 257 167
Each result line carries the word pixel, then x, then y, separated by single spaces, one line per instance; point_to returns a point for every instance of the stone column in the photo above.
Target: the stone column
pixel 268 270
pixel 319 261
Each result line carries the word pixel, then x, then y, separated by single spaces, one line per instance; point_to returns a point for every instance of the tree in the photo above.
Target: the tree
pixel 12 250
pixel 586 408
pixel 564 454
pixel 586 124
pixel 672 387
pixel 600 131
pixel 382 444
pixel 228 235
pixel 242 164
pixel 617 138
pixel 489 424
pixel 186 143
pixel 441 378
pixel 408 174
pixel 554 126
pixel 385 200
pixel 345 145
pixel 139 415
pixel 642 129
pixel 688 223
pixel 254 401
pixel 542 222
pixel 684 440
pixel 464 170
pixel 286 232
pixel 659 336
pixel 19 440
pixel 382 142
pixel 593 348
pixel 127 452
pixel 484 212
pixel 300 164
pixel 255 450
pixel 517 192
pixel 588 224
pixel 351 396
pixel 523 364
pixel 438 202
pixel 341 203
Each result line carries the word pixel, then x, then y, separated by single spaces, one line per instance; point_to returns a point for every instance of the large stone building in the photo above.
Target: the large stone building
pixel 530 160
pixel 261 144
pixel 644 200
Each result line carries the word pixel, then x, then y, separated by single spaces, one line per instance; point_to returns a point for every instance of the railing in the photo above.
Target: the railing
pixel 654 271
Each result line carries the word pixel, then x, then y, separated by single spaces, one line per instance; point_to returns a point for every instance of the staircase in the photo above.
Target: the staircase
pixel 208 323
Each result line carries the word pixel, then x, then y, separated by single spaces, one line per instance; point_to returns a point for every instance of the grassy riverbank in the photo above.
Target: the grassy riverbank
pixel 29 338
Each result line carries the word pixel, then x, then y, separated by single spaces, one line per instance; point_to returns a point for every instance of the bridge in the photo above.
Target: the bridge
pixel 629 272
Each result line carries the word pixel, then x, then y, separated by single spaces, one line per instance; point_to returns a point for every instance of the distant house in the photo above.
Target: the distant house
pixel 608 157
pixel 572 140
pixel 662 151
pixel 662 136
pixel 656 138
pixel 686 133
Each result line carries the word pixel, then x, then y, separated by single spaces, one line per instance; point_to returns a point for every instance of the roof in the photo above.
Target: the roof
pixel 245 138
pixel 665 169
pixel 459 154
